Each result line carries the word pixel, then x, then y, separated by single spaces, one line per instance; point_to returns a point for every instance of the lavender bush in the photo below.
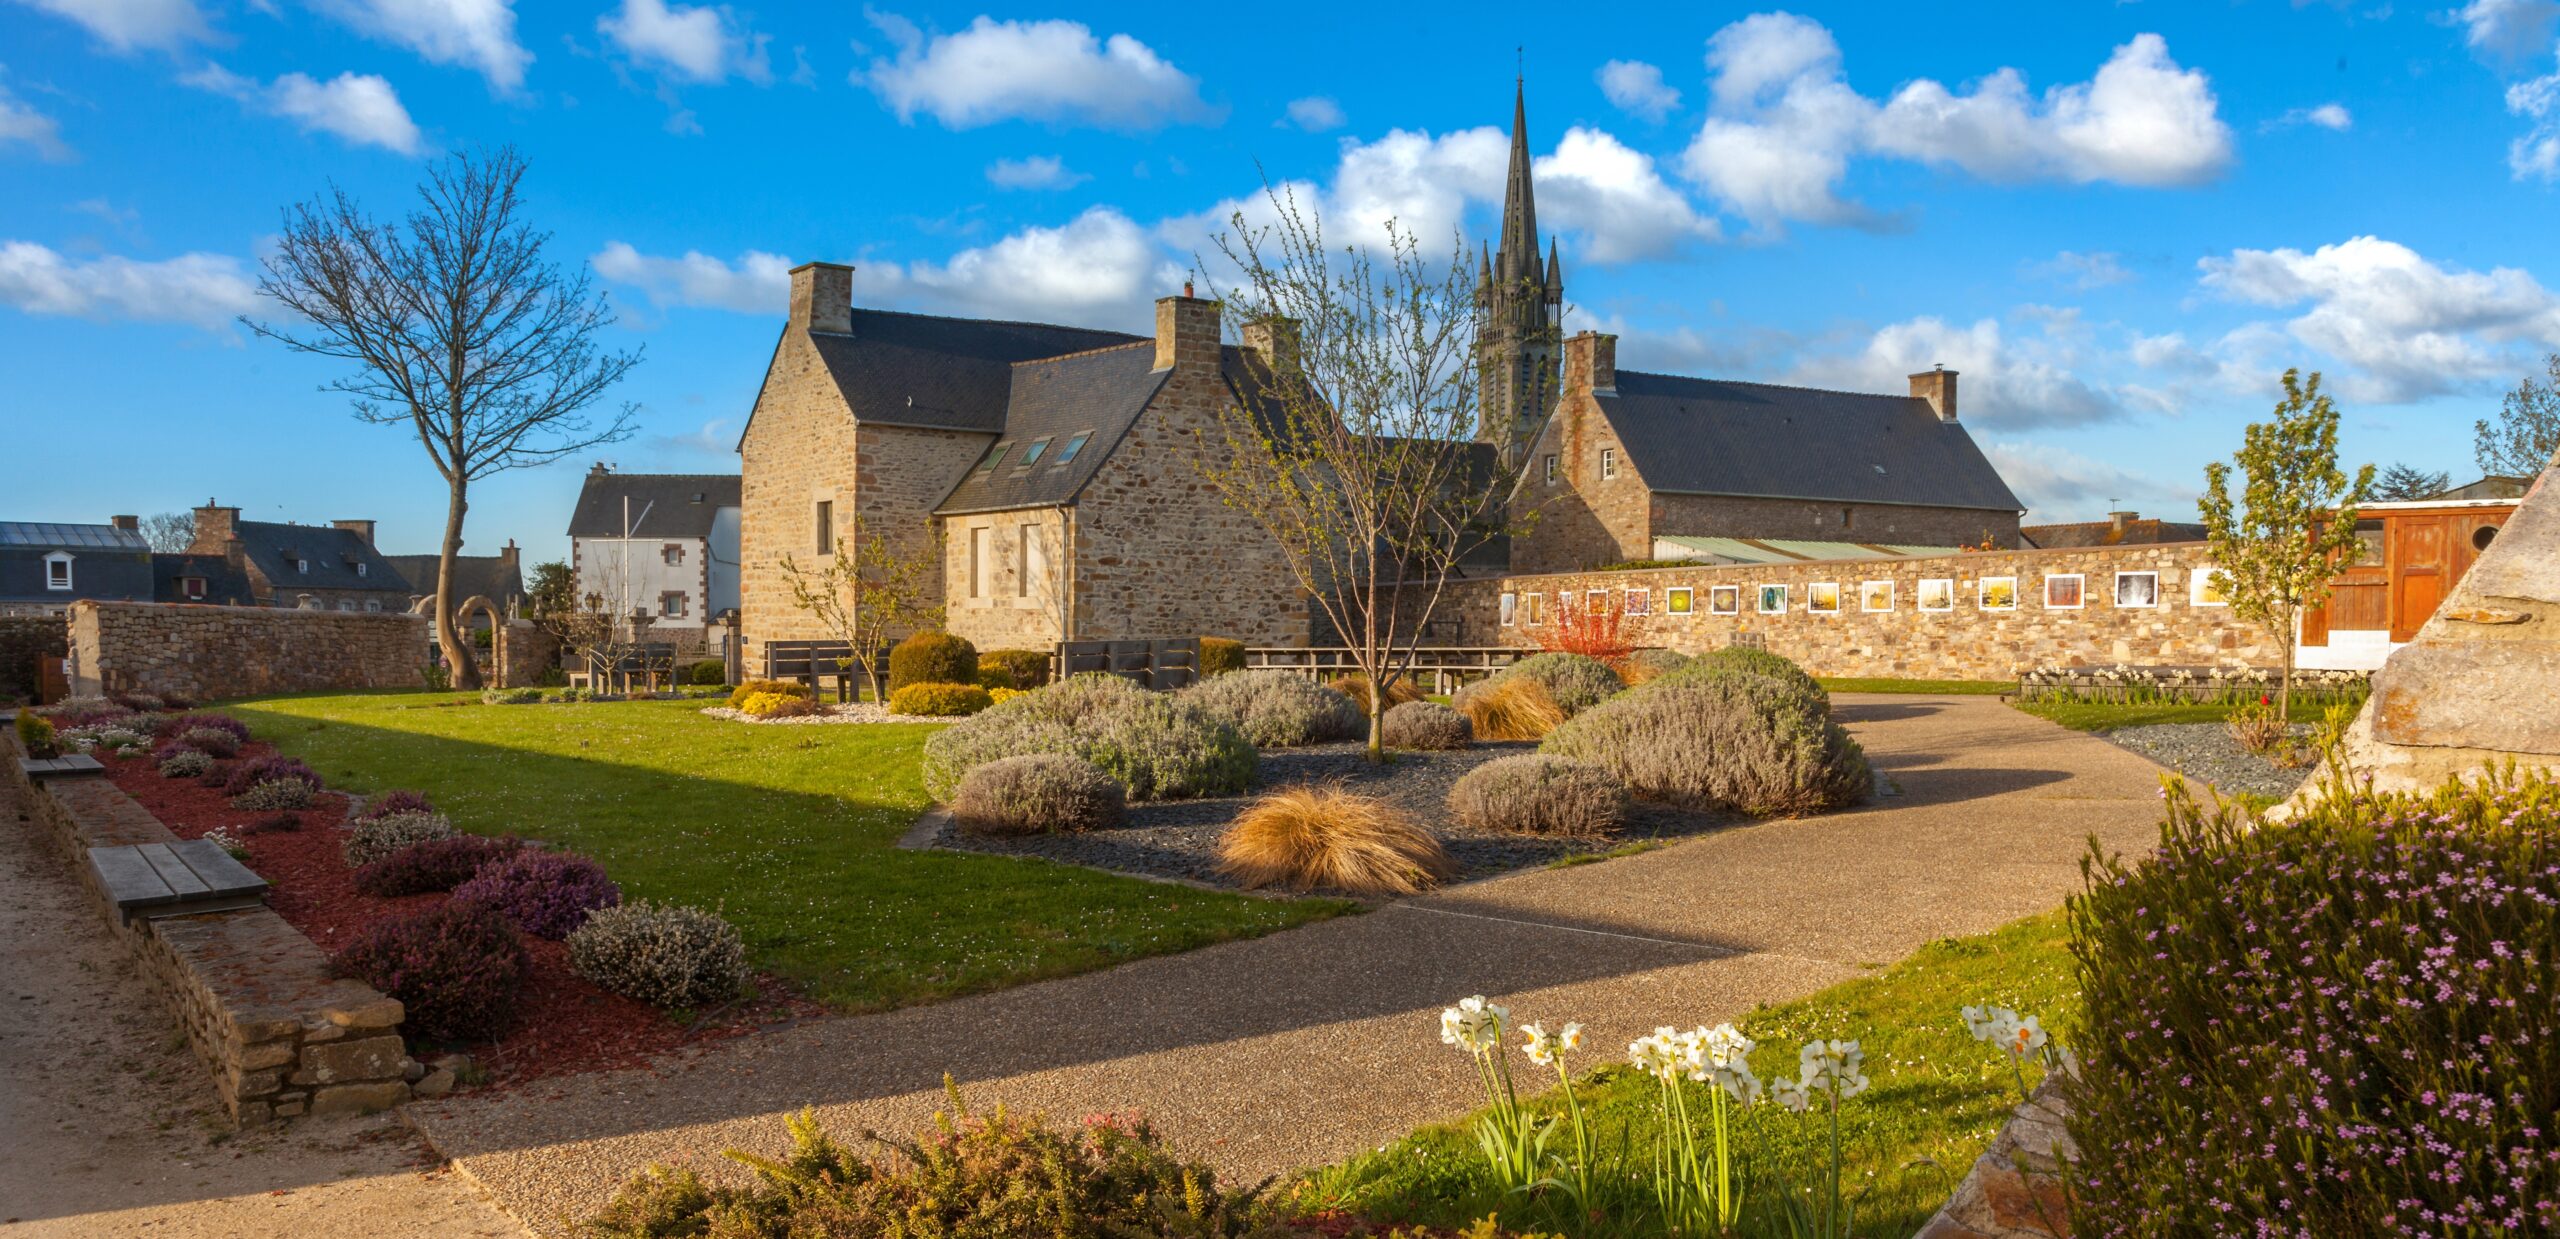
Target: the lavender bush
pixel 249 774
pixel 433 864
pixel 2340 1025
pixel 389 803
pixel 455 969
pixel 546 894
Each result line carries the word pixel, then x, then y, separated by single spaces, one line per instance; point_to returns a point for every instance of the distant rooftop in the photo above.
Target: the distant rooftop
pixel 54 534
pixel 1783 550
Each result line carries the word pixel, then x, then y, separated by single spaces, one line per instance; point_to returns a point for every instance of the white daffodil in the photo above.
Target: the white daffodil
pixel 1570 1040
pixel 1833 1067
pixel 1657 1055
pixel 1474 1025
pixel 2024 1038
pixel 1725 1045
pixel 1541 1048
pixel 1791 1093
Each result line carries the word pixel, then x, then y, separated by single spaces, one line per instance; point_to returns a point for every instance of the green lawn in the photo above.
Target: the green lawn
pixel 1938 1097
pixel 787 830
pixel 1984 688
pixel 2107 716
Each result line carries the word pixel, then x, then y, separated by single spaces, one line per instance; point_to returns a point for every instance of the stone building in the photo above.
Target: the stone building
pixel 498 578
pixel 333 567
pixel 45 566
pixel 2119 529
pixel 1519 312
pixel 665 544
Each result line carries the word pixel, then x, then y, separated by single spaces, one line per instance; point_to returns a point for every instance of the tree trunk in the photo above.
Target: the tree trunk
pixel 1377 723
pixel 2284 687
pixel 449 639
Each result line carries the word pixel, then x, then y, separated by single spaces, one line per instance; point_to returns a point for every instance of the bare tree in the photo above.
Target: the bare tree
pixel 1352 442
pixel 865 591
pixel 462 333
pixel 170 533
pixel 2527 433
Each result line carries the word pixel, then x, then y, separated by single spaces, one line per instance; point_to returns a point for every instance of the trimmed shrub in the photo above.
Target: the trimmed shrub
pixel 374 838
pixel 1509 708
pixel 1037 793
pixel 546 894
pixel 780 705
pixel 1156 747
pixel 141 703
pixel 939 700
pixel 1426 725
pixel 1721 739
pixel 433 865
pixel 1277 709
pixel 389 803
pixel 2343 1022
pixel 1018 669
pixel 1644 665
pixel 36 735
pixel 211 741
pixel 1356 687
pixel 269 769
pixel 1761 663
pixel 1219 655
pixel 1575 682
pixel 275 794
pixel 666 955
pixel 1320 835
pixel 932 658
pixel 788 688
pixel 1539 794
pixel 181 724
pixel 707 673
pixel 511 697
pixel 186 764
pixel 455 968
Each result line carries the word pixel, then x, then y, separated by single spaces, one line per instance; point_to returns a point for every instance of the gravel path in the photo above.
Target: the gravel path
pixel 1179 839
pixel 2207 753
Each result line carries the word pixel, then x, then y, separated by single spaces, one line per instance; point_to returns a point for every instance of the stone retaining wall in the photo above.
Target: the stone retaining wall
pixel 211 653
pixel 280 1036
pixel 23 640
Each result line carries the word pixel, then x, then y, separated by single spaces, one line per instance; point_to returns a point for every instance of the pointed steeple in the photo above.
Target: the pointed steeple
pixel 1555 273
pixel 1520 306
pixel 1519 198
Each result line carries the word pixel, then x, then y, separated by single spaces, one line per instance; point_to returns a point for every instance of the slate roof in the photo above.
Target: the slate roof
pixel 53 535
pixel 1050 404
pixel 1789 550
pixel 2140 531
pixel 335 554
pixel 1715 437
pixel 941 373
pixel 223 584
pixel 487 576
pixel 663 505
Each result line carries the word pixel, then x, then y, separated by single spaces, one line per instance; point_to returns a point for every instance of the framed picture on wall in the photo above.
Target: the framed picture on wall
pixel 1677 600
pixel 1937 593
pixel 1510 609
pixel 2207 587
pixel 1596 602
pixel 1875 596
pixel 1564 606
pixel 1639 602
pixel 1724 600
pixel 1996 593
pixel 1822 597
pixel 1773 600
pixel 2064 591
pixel 2137 589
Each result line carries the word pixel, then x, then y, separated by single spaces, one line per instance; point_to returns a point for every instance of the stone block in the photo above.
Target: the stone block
pixel 2463 695
pixel 267 1054
pixel 435 1083
pixel 376 1011
pixel 358 1098
pixel 371 1058
pixel 288 1109
pixel 258 1083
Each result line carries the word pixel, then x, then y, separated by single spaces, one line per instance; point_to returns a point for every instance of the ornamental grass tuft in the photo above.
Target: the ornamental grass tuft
pixel 1509 708
pixel 1356 687
pixel 1319 835
pixel 1277 709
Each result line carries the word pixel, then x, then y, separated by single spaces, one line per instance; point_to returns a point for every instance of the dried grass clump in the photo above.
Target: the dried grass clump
pixel 1510 708
pixel 1722 740
pixel 1356 687
pixel 1278 709
pixel 1322 836
pixel 1037 793
pixel 1539 794
pixel 1426 725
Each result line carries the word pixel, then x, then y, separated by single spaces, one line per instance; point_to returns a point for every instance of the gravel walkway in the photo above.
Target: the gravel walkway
pixel 1179 839
pixel 2206 753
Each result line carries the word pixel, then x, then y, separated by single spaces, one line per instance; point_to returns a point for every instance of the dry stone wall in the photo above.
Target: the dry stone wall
pixel 211 653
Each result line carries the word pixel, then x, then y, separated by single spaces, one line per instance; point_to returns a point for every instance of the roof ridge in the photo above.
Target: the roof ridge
pixel 1107 348
pixel 1828 391
pixel 996 322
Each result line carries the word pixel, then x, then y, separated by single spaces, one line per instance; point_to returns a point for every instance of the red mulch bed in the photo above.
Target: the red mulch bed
pixel 564 1023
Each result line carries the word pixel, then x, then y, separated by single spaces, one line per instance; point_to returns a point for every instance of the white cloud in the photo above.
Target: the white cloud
pixel 2403 327
pixel 699 43
pixel 1786 123
pixel 478 34
pixel 1034 172
pixel 2537 153
pixel 2059 485
pixel 360 108
pixel 757 283
pixel 2008 380
pixel 20 122
pixel 1053 71
pixel 2508 31
pixel 2082 271
pixel 204 290
pixel 128 24
pixel 1615 199
pixel 1315 114
pixel 1637 88
pixel 2332 116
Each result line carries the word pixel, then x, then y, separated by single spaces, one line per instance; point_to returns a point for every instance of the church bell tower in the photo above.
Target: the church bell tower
pixel 1519 313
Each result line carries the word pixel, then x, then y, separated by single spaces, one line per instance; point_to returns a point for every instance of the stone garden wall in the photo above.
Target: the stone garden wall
pixel 1867 617
pixel 280 1036
pixel 23 640
pixel 213 653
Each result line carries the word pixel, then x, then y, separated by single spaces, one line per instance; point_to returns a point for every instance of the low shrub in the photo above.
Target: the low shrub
pixel 1509 708
pixel 1722 740
pixel 780 705
pixel 932 658
pixel 211 741
pixel 1644 665
pixel 1277 709
pixel 1356 687
pixel 2257 728
pixel 511 697
pixel 1575 682
pixel 2343 1021
pixel 546 894
pixel 939 700
pixel 275 794
pixel 181 724
pixel 707 672
pixel 999 696
pixel 1154 746
pixel 1761 663
pixel 276 824
pixel 392 802
pixel 370 839
pixel 186 764
pixel 1539 794
pixel 1037 793
pixel 666 955
pixel 789 688
pixel 1426 725
pixel 1017 669
pixel 36 735
pixel 269 769
pixel 455 968
pixel 1219 655
pixel 1320 835
pixel 432 865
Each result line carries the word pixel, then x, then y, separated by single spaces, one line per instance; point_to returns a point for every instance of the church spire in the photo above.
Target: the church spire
pixel 1519 251
pixel 1520 307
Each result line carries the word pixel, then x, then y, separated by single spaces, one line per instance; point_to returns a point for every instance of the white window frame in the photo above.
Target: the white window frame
pixel 1639 601
pixel 1550 466
pixel 1529 611
pixel 1982 593
pixel 1867 598
pixel 1920 601
pixel 2051 577
pixel 977 561
pixel 57 571
pixel 1729 595
pixel 302 567
pixel 363 568
pixel 2153 605
pixel 373 604
pixel 671 555
pixel 1608 463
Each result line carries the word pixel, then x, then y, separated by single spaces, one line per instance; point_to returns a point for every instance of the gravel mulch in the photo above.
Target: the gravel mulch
pixel 1179 838
pixel 2206 752
pixel 845 712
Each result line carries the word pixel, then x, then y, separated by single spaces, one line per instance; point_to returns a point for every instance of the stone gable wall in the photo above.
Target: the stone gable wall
pixel 211 653
pixel 1579 520
pixel 798 450
pixel 1015 610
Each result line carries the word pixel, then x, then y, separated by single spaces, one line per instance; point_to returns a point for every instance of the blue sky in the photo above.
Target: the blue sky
pixel 2120 221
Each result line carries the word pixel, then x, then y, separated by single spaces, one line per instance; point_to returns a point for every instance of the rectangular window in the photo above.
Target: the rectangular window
pixel 1510 609
pixel 1529 610
pixel 826 523
pixel 1678 601
pixel 995 456
pixel 1074 446
pixel 1875 596
pixel 57 571
pixel 302 566
pixel 1996 593
pixel 671 603
pixel 372 604
pixel 1550 466
pixel 1608 463
pixel 192 587
pixel 362 568
pixel 1773 600
pixel 1848 517
pixel 1598 602
pixel 1026 550
pixel 1639 602
pixel 978 562
pixel 1724 600
pixel 346 604
pixel 2065 591
pixel 1031 455
pixel 1822 598
pixel 671 554
pixel 1938 593
pixel 2138 589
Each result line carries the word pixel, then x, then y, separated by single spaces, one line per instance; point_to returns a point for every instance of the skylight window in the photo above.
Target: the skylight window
pixel 1074 445
pixel 995 456
pixel 1031 455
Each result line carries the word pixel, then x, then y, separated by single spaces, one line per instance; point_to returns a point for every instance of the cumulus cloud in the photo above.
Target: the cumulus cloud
pixel 2009 379
pixel 21 123
pixel 2059 485
pixel 127 24
pixel 2536 155
pixel 202 290
pixel 2508 31
pixel 697 43
pixel 1315 114
pixel 359 108
pixel 1055 71
pixel 757 283
pixel 2082 271
pixel 1035 172
pixel 1615 199
pixel 476 34
pixel 1637 89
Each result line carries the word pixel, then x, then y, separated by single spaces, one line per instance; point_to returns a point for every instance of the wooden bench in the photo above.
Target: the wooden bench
pixel 151 880
pixel 810 662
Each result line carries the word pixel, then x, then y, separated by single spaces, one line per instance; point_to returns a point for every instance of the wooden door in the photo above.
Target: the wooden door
pixel 2422 570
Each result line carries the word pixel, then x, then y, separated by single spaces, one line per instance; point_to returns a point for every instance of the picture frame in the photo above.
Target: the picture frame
pixel 2065 591
pixel 1875 596
pixel 1773 600
pixel 2138 590
pixel 1678 600
pixel 1510 609
pixel 1724 600
pixel 1639 602
pixel 1595 602
pixel 1937 593
pixel 2205 588
pixel 1996 593
pixel 1822 597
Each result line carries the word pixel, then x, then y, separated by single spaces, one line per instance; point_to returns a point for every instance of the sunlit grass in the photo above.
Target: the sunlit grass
pixel 1867 684
pixel 2108 716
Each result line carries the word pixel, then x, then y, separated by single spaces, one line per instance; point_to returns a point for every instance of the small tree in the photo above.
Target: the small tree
pixel 2405 482
pixel 1351 443
pixel 2296 526
pixel 2527 433
pixel 169 533
pixel 461 332
pixel 1594 629
pixel 862 596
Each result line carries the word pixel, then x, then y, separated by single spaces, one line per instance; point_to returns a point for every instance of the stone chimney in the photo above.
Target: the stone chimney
pixel 129 524
pixel 1186 333
pixel 1938 387
pixel 507 555
pixel 822 297
pixel 361 529
pixel 1276 341
pixel 217 527
pixel 1591 362
pixel 2121 521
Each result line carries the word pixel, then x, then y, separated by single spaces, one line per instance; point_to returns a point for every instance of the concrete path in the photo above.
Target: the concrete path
pixel 1335 1025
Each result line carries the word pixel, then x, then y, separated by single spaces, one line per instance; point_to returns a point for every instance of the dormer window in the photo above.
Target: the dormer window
pixel 995 456
pixel 302 566
pixel 362 568
pixel 1031 455
pixel 57 570
pixel 1074 445
pixel 192 587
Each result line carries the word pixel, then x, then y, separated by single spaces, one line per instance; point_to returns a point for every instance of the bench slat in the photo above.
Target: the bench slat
pixel 221 874
pixel 182 881
pixel 130 880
